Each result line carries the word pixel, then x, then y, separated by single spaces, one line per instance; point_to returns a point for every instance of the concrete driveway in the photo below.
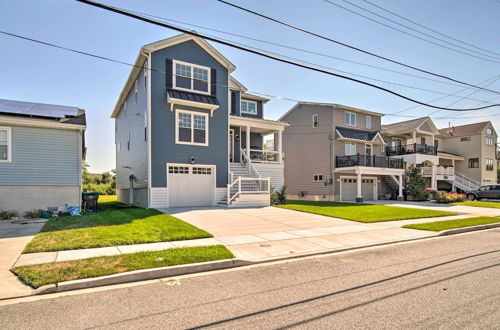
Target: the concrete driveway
pixel 13 238
pixel 270 232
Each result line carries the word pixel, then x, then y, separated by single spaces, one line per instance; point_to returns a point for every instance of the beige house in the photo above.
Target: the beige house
pixel 336 152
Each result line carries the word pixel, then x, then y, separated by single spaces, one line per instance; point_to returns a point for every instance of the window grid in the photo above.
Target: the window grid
pixel 350 118
pixel 489 164
pixel 178 169
pixel 192 77
pixel 473 162
pixel 192 128
pixel 248 106
pixel 350 149
pixel 317 177
pixel 4 145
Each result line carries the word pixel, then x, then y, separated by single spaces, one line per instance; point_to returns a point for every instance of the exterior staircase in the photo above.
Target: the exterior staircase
pixel 392 182
pixel 464 183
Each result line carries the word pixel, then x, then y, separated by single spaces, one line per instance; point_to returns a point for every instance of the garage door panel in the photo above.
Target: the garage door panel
pixel 191 185
pixel 349 188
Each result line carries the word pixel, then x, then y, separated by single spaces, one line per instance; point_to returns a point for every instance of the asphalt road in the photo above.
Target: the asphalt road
pixel 447 283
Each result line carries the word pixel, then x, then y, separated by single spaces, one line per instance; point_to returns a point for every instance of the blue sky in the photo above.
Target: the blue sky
pixel 38 73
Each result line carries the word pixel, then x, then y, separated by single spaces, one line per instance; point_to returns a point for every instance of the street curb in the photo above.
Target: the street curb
pixel 468 229
pixel 140 275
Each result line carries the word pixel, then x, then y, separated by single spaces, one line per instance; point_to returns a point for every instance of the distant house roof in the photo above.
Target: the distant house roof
pixel 357 134
pixel 63 114
pixel 406 126
pixel 193 97
pixel 462 130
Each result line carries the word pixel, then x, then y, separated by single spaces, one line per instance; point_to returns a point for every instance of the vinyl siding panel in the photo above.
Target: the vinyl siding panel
pixel 163 147
pixel 338 120
pixel 132 120
pixel 43 156
pixel 307 149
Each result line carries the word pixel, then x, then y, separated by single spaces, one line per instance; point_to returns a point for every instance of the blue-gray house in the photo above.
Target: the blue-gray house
pixel 42 147
pixel 188 134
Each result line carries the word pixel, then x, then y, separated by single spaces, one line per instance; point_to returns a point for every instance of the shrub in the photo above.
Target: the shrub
pixel 7 215
pixel 415 185
pixel 278 196
pixel 101 188
pixel 446 197
pixel 32 214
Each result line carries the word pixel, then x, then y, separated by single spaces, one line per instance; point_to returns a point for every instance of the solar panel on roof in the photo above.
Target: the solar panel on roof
pixel 37 109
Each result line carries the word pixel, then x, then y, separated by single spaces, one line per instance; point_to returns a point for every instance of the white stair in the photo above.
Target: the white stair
pixel 464 183
pixel 251 194
pixel 239 169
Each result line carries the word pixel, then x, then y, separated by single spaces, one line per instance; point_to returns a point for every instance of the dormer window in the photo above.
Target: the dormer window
pixel 350 118
pixel 249 107
pixel 191 77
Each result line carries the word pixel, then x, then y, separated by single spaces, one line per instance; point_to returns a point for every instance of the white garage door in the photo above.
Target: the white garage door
pixel 348 189
pixel 191 185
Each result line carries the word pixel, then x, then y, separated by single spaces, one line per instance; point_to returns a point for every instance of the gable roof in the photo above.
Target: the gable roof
pixel 408 126
pixel 152 47
pixel 357 134
pixel 469 129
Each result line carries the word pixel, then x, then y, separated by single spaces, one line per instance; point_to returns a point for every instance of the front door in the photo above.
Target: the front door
pixel 231 145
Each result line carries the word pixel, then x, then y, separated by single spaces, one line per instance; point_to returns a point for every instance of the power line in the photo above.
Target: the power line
pixel 428 28
pixel 294 48
pixel 144 19
pixel 410 34
pixel 343 44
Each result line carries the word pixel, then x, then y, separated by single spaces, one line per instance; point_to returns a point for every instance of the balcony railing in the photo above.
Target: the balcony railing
pixel 262 156
pixel 414 148
pixel 440 170
pixel 370 161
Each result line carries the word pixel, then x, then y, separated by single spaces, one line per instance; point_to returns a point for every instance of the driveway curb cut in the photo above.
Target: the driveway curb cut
pixel 468 229
pixel 140 275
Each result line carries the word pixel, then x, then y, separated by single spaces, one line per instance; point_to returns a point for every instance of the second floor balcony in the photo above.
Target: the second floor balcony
pixel 413 148
pixel 369 161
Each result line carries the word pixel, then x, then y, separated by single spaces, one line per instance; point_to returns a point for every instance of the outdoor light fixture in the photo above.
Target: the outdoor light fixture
pixel 237 137
pixel 192 160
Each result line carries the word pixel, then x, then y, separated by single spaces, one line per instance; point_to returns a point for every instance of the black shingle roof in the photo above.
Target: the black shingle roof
pixel 356 134
pixel 188 96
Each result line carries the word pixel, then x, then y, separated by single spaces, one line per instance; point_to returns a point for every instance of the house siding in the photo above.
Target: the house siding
pixel 43 157
pixel 132 120
pixel 308 150
pixel 338 120
pixel 163 147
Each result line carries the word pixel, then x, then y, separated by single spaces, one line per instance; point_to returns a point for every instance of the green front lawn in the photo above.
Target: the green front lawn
pixel 480 204
pixel 113 224
pixel 362 212
pixel 453 224
pixel 55 272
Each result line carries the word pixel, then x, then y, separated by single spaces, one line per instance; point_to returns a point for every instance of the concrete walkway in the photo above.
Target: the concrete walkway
pixel 13 239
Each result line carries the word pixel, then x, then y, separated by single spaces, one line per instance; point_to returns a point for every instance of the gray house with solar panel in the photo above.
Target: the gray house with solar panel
pixel 187 133
pixel 42 147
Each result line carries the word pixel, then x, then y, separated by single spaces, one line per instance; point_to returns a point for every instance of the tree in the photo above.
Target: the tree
pixel 106 177
pixel 415 184
pixel 85 173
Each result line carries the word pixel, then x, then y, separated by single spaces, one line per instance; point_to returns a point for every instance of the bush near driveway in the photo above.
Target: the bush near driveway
pixel 55 272
pixel 453 224
pixel 449 197
pixel 362 212
pixel 113 224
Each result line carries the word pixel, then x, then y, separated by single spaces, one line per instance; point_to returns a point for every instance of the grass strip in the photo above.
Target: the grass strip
pixel 55 272
pixel 479 204
pixel 453 224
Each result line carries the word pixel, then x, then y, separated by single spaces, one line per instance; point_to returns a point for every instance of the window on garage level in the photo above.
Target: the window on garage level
pixel 191 128
pixel 317 177
pixel 178 169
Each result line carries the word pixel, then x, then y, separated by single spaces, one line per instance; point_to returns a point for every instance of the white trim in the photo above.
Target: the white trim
pixel 254 97
pixel 248 101
pixel 192 114
pixel 9 145
pixel 214 173
pixel 315 122
pixel 33 122
pixel 355 118
pixel 345 149
pixel 368 119
pixel 231 141
pixel 317 179
pixel 235 84
pixel 148 142
pixel 174 77
pixel 173 101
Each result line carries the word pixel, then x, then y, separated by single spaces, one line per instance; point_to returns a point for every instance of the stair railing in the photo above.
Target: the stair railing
pixel 247 186
pixel 248 165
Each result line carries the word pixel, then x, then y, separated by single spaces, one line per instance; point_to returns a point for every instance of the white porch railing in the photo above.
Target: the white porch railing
pixel 464 183
pixel 248 165
pixel 247 186
pixel 263 156
pixel 440 170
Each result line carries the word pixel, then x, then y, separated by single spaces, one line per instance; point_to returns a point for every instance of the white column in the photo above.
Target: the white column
pixel 280 146
pixel 453 188
pixel 415 137
pixel 247 145
pixel 359 196
pixel 400 192
pixel 433 177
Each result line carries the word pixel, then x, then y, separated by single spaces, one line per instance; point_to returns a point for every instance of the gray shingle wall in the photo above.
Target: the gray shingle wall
pixel 132 120
pixel 360 120
pixel 43 156
pixel 164 149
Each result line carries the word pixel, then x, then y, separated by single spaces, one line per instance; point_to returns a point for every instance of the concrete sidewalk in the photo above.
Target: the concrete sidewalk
pixel 13 239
